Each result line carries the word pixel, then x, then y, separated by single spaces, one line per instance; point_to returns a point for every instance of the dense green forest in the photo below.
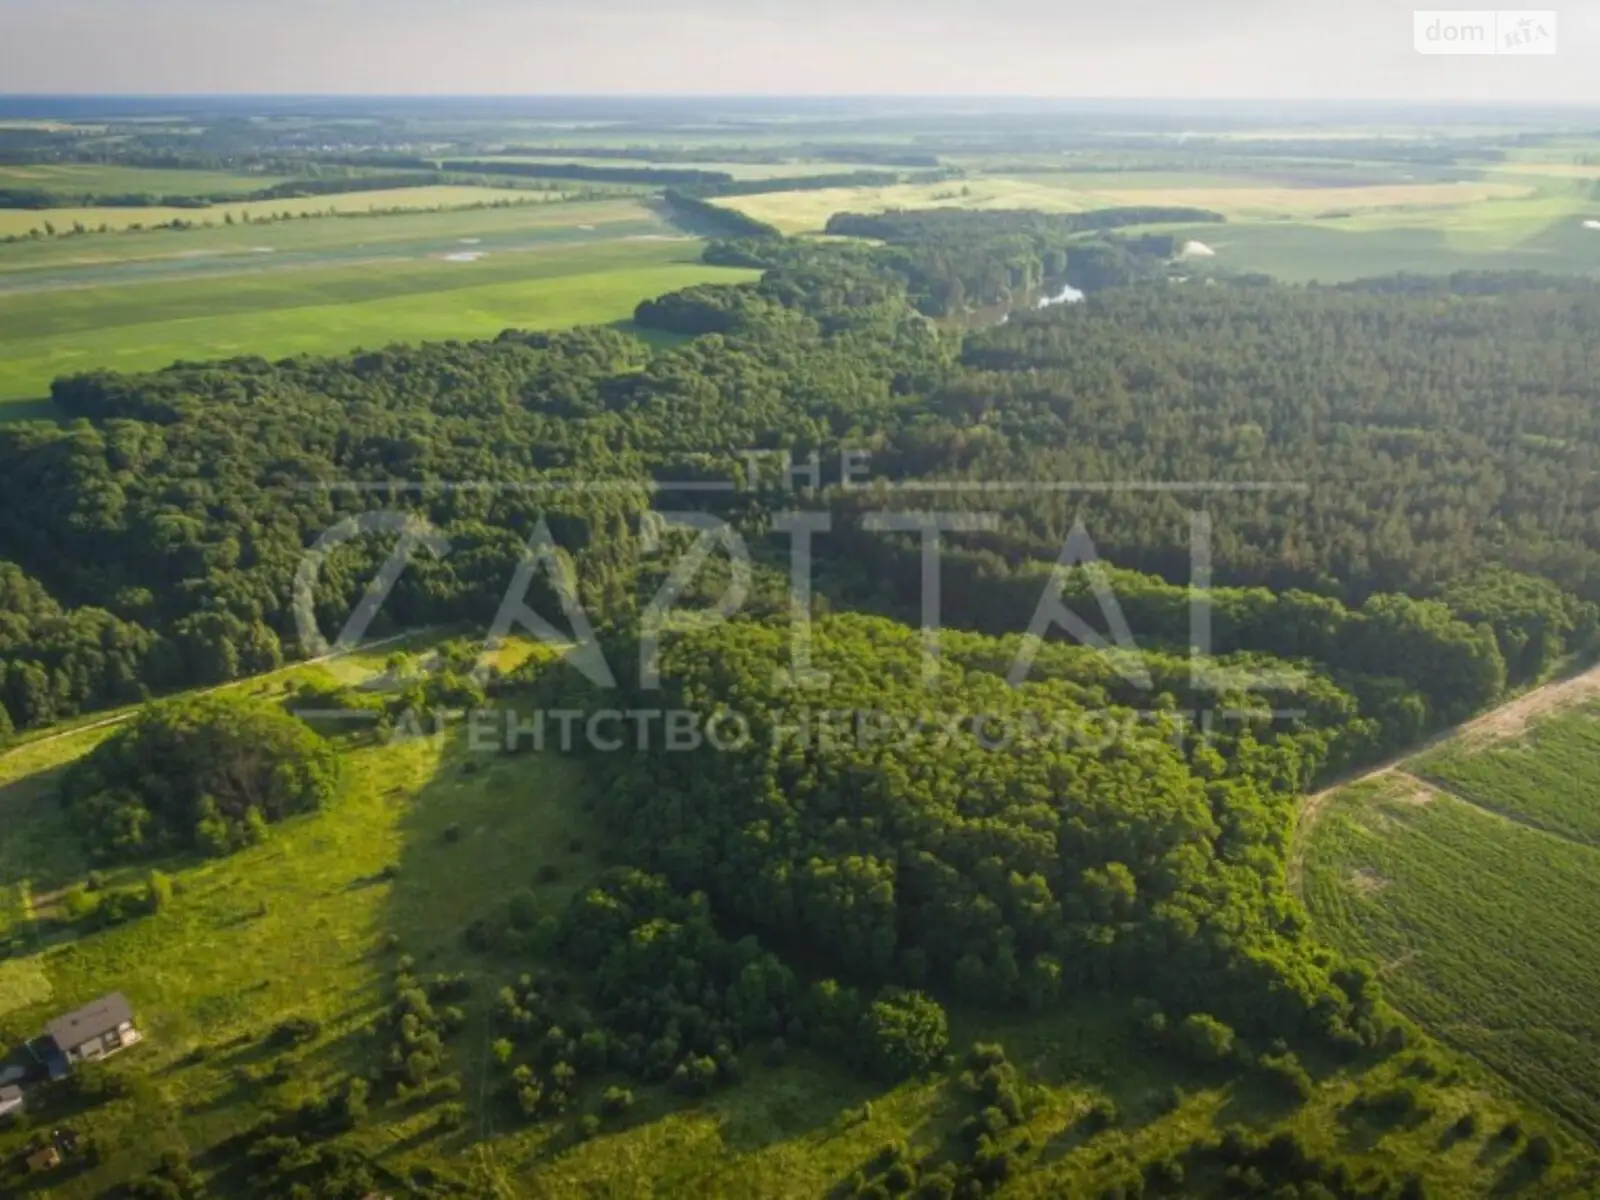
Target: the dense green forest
pixel 1396 487
pixel 1360 443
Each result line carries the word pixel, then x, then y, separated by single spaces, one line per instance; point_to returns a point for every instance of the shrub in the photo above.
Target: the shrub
pixel 1286 1075
pixel 615 1101
pixel 1203 1039
pixel 1540 1153
pixel 204 773
pixel 1102 1114
pixel 904 1033
pixel 294 1031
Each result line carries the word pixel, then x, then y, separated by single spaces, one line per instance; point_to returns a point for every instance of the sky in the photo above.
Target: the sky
pixel 1355 49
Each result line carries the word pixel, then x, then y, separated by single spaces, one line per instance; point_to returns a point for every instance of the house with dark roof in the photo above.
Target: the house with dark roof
pixel 90 1033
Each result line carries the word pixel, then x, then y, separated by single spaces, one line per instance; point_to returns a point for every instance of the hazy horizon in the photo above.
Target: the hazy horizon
pixel 1134 49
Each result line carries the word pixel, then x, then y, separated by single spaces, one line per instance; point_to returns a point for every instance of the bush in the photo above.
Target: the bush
pixel 1203 1039
pixel 615 1101
pixel 1540 1153
pixel 294 1031
pixel 904 1033
pixel 205 773
pixel 1286 1075
pixel 1102 1114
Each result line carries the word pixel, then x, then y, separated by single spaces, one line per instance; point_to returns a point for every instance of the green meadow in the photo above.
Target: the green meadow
pixel 1237 198
pixel 1298 224
pixel 16 222
pixel 424 839
pixel 276 313
pixel 34 263
pixel 113 180
pixel 739 170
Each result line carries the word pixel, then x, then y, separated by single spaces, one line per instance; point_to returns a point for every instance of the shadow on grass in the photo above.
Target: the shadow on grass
pixel 40 848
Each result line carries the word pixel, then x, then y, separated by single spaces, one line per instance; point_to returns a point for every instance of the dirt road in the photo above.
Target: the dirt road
pixel 1506 721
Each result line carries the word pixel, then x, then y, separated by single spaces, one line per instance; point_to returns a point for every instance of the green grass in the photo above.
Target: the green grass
pixel 332 310
pixel 739 170
pixel 1484 929
pixel 1332 251
pixel 1246 198
pixel 19 222
pixel 109 180
pixel 294 927
pixel 24 263
pixel 803 1130
pixel 1548 778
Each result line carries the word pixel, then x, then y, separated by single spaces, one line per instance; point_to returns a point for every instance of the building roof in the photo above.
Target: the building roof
pixel 10 1093
pixel 90 1021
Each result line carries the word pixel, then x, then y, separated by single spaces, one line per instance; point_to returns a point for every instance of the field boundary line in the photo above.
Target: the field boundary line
pixel 1500 722
pixel 1452 792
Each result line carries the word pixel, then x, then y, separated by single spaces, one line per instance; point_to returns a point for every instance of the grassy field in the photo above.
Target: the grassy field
pixel 803 1130
pixel 808 212
pixel 1333 251
pixel 20 222
pixel 293 928
pixel 1484 930
pixel 739 170
pixel 1297 231
pixel 47 261
pixel 331 309
pixel 106 179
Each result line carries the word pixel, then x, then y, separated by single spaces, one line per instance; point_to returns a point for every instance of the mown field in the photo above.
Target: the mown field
pixel 739 170
pixel 1298 225
pixel 1484 927
pixel 298 928
pixel 408 279
pixel 21 222
pixel 112 180
pixel 808 211
pixel 45 262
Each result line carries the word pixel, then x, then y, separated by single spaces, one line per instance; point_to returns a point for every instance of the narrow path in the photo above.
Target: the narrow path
pixel 1504 721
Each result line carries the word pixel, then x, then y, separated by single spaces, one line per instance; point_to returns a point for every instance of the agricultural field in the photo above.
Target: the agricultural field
pixel 1314 230
pixel 291 289
pixel 807 212
pixel 48 261
pixel 113 180
pixel 22 222
pixel 425 838
pixel 1549 778
pixel 739 170
pixel 1469 876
